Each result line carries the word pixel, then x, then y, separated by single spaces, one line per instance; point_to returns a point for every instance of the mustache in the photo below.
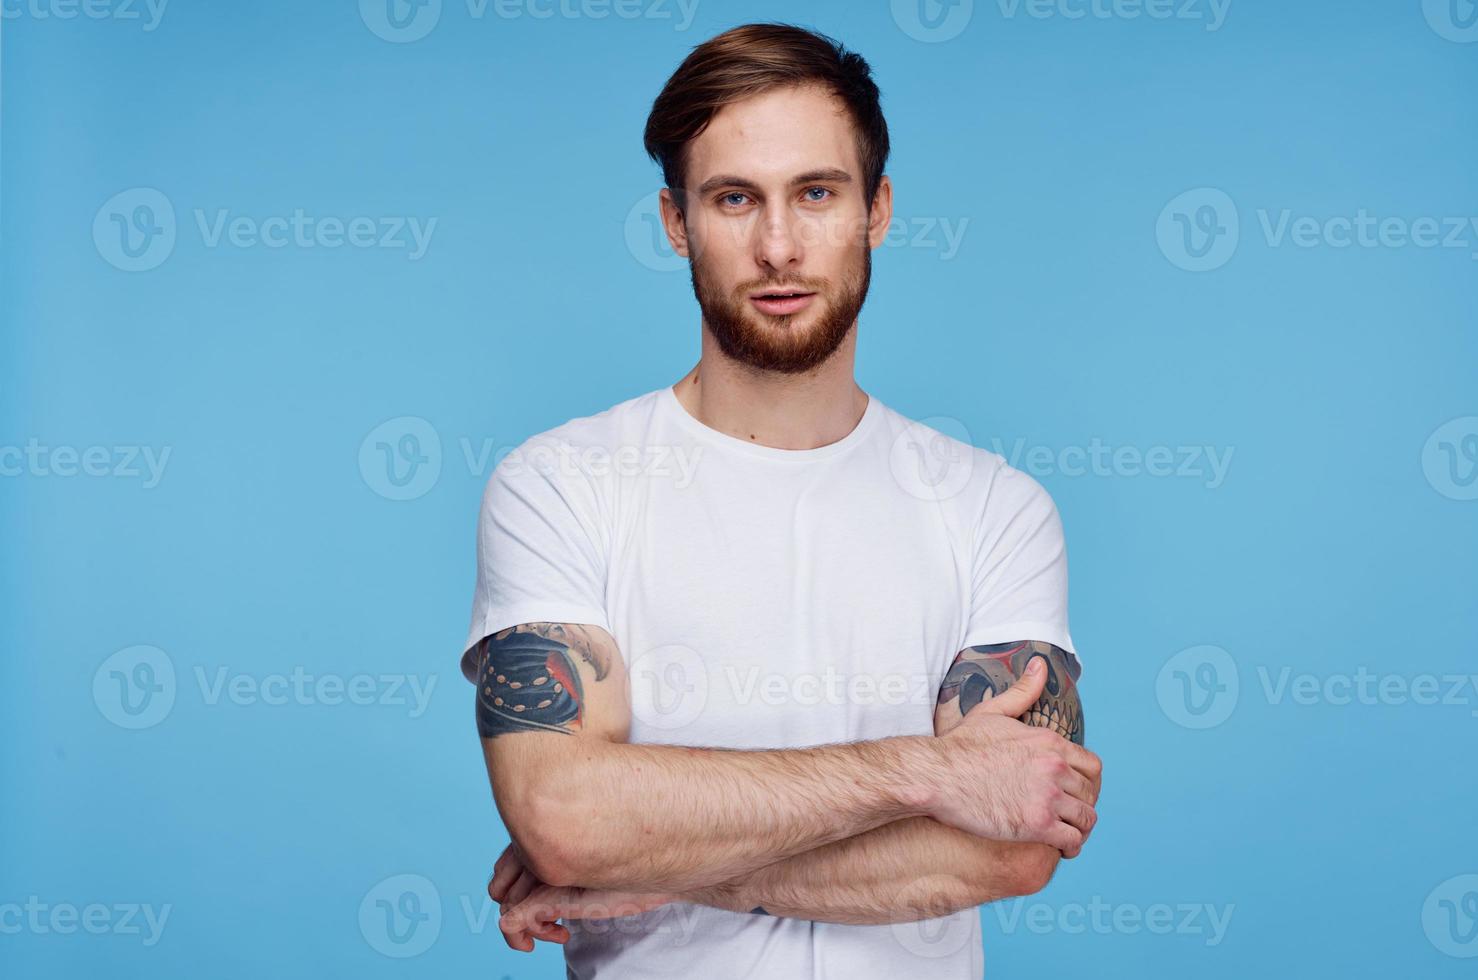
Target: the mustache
pixel 789 285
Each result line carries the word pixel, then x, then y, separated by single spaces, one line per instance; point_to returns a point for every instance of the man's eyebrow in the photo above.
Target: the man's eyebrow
pixel 826 175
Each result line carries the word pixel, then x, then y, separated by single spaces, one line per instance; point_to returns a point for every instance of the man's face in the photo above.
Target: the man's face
pixel 775 206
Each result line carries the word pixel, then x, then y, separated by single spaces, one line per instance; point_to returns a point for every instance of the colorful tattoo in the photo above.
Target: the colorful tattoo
pixel 986 671
pixel 527 678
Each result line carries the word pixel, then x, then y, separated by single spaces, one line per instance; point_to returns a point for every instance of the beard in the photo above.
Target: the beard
pixel 782 343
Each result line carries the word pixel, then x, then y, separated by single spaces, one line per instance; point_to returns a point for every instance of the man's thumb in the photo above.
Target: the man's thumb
pixel 1013 701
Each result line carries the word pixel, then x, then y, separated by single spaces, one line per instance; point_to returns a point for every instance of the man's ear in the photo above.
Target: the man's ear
pixel 880 215
pixel 673 223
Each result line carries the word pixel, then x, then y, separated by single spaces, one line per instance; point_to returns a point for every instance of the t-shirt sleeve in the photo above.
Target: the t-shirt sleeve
pixel 1019 574
pixel 540 556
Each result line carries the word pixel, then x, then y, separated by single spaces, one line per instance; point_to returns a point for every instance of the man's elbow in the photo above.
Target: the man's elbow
pixel 537 822
pixel 1033 869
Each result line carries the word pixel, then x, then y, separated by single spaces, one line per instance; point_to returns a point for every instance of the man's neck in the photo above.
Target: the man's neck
pixel 768 408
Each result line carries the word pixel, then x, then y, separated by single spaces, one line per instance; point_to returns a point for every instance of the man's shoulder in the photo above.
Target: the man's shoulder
pixel 581 444
pixel 946 450
pixel 948 441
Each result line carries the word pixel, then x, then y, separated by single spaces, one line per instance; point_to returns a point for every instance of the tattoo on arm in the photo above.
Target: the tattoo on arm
pixel 990 669
pixel 527 678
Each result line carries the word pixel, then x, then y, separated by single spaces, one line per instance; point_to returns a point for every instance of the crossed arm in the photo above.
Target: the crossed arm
pixel 837 833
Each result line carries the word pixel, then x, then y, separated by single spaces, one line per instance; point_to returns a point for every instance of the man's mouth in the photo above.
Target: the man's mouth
pixel 780 302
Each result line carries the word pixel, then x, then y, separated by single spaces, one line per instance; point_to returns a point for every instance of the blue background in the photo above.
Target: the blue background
pixel 1334 542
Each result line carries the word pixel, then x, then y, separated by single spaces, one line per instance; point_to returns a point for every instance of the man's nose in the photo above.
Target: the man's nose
pixel 779 244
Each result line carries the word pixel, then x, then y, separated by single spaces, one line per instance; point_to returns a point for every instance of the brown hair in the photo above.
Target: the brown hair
pixel 746 61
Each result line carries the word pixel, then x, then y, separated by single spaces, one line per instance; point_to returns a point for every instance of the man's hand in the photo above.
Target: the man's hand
pixel 1010 781
pixel 529 909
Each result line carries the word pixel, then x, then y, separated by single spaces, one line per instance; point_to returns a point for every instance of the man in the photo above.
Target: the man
pixel 665 588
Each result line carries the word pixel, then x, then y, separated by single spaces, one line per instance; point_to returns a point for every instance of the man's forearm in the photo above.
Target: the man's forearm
pixel 912 869
pixel 673 818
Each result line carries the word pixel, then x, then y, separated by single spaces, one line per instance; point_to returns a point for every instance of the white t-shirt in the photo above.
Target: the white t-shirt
pixel 770 598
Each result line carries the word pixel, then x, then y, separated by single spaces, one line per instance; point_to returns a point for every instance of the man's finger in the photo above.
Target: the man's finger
pixel 520 889
pixel 1016 699
pixel 1082 760
pixel 504 873
pixel 1079 787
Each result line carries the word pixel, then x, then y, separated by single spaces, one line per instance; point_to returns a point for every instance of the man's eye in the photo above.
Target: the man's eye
pixel 728 198
pixel 811 190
